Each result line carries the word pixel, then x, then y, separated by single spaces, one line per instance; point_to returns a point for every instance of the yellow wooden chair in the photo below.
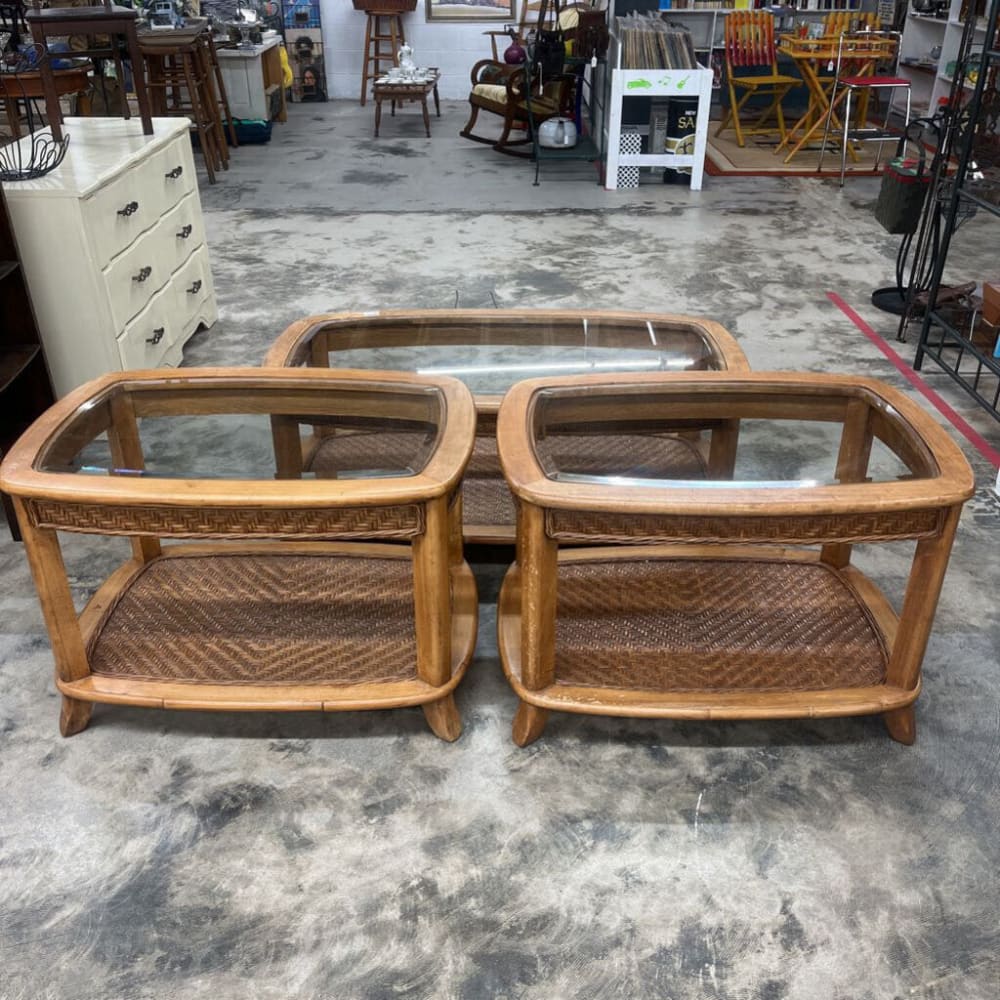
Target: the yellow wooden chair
pixel 840 22
pixel 749 44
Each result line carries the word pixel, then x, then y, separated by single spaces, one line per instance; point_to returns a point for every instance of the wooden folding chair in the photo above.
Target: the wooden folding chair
pixel 749 45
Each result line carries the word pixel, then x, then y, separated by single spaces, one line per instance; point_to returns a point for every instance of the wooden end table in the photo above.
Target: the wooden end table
pixel 491 350
pixel 731 597
pixel 296 593
pixel 403 91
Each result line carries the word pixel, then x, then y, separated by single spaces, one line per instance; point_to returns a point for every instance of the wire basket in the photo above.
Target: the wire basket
pixel 36 154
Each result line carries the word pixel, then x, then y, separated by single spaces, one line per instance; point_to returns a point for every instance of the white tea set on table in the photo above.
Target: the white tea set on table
pixel 407 71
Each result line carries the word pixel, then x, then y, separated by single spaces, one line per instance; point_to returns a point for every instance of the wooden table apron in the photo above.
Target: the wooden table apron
pixel 809 55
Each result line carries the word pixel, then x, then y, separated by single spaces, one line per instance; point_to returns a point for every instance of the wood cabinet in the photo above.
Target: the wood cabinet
pixel 25 389
pixel 113 248
pixel 253 78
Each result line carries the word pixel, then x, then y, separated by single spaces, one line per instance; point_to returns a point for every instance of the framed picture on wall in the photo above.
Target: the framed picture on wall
pixel 470 10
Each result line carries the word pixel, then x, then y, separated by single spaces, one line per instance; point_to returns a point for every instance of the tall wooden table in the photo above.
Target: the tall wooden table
pixel 812 56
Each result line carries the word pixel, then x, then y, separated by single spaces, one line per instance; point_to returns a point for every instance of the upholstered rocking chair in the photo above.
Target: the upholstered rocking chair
pixel 501 90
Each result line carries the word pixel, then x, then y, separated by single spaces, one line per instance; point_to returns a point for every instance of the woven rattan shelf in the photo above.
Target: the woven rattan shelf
pixel 732 596
pixel 493 349
pixel 312 595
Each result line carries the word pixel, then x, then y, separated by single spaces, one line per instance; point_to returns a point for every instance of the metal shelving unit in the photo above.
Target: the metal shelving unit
pixel 977 175
pixel 590 100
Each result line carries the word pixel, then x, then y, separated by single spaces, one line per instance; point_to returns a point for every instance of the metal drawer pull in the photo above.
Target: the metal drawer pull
pixel 130 209
pixel 174 174
pixel 195 288
pixel 157 336
pixel 184 233
pixel 142 275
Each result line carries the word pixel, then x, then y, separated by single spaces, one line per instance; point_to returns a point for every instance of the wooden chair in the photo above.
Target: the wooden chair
pixel 749 44
pixel 110 29
pixel 841 21
pixel 502 90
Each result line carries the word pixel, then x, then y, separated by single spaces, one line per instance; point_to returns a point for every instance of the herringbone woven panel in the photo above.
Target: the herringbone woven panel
pixel 263 619
pixel 485 497
pixel 707 625
pixel 399 521
pixel 804 529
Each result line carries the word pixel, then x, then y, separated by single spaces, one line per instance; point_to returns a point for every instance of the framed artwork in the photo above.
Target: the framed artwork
pixel 470 10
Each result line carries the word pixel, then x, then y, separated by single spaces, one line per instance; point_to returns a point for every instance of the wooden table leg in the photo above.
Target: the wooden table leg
pixel 13 123
pixel 427 117
pixel 378 113
pixel 443 718
pixel 437 102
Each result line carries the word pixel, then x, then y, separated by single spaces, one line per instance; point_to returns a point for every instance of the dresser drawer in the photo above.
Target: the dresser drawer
pixel 135 275
pixel 191 286
pixel 145 267
pixel 116 214
pixel 170 173
pixel 133 202
pixel 181 231
pixel 149 337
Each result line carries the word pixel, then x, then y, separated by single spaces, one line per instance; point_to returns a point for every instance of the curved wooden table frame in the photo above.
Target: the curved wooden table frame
pixel 309 342
pixel 285 517
pixel 689 522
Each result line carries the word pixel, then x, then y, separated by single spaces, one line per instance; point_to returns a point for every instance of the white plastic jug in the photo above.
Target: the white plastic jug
pixel 557 133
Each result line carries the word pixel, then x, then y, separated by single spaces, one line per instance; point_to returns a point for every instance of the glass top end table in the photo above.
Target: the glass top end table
pixel 731 596
pixel 491 350
pixel 296 592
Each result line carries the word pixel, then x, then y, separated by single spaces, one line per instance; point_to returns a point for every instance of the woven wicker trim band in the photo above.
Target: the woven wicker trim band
pixel 402 521
pixel 653 529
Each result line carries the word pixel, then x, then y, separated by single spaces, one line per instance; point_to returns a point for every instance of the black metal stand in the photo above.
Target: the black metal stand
pixel 974 185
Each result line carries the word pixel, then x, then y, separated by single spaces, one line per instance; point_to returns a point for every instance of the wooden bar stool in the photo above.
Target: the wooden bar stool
pixel 212 96
pixel 220 85
pixel 110 29
pixel 382 26
pixel 179 86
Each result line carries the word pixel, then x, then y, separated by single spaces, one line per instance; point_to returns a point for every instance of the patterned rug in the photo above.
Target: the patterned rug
pixel 758 157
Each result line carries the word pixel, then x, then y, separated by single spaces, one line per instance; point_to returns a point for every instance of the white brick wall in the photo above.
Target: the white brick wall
pixel 453 47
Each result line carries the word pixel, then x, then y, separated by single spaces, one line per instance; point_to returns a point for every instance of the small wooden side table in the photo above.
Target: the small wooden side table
pixel 401 92
pixel 731 597
pixel 343 593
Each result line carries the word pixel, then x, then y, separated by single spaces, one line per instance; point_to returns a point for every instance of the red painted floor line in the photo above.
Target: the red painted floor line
pixel 969 433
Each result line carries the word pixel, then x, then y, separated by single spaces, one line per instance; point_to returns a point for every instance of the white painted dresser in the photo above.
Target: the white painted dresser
pixel 113 249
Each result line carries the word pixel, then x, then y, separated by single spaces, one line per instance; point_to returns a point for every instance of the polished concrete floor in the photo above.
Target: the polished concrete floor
pixel 176 855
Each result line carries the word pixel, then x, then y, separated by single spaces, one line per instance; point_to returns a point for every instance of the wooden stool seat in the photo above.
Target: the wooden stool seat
pixel 116 24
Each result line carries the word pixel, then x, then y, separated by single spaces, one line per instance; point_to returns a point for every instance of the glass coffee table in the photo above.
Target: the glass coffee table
pixel 491 350
pixel 295 592
pixel 732 596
